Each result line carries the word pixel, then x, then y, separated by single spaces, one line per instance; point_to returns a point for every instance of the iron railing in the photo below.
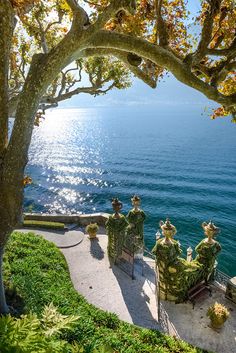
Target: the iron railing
pixel 221 279
pixel 148 253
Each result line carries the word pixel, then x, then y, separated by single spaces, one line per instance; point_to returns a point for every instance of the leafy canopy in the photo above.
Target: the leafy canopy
pixel 208 55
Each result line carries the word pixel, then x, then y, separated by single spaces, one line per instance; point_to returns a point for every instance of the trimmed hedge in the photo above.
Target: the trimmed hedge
pixel 36 271
pixel 43 224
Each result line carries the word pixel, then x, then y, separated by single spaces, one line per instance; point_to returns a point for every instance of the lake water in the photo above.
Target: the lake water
pixel 182 164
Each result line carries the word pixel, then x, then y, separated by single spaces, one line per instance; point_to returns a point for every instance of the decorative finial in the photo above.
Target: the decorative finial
pixel 210 229
pixel 135 198
pixel 167 228
pixel 116 204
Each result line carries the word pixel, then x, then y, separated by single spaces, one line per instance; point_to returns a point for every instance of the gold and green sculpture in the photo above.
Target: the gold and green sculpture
pixel 136 218
pixel 116 231
pixel 208 249
pixel 177 276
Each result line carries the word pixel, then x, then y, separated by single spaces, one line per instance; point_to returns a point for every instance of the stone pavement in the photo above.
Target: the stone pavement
pixel 111 289
pixel 61 238
pixel 192 325
pixel 134 301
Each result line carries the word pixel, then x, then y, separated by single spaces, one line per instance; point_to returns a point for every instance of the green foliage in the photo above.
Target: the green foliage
pixel 218 311
pixel 43 224
pixel 103 70
pixel 92 227
pixel 32 334
pixel 39 274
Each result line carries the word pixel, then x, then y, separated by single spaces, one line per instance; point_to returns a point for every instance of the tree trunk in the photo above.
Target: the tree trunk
pixel 6 31
pixel 11 196
pixel 3 305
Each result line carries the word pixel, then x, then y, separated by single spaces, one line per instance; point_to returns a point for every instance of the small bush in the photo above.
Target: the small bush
pixel 43 224
pixel 218 311
pixel 92 228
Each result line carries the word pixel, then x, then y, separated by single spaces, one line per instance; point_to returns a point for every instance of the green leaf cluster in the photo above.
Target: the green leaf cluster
pixel 29 333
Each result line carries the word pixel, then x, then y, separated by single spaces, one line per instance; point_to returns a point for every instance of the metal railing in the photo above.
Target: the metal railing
pixel 148 253
pixel 221 279
pixel 165 322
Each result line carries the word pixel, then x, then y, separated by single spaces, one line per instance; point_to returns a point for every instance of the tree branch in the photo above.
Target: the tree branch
pixel 42 36
pixel 121 55
pixel 161 25
pixel 93 90
pixel 160 56
pixel 80 16
pixel 228 52
pixel 220 72
pixel 111 10
pixel 206 36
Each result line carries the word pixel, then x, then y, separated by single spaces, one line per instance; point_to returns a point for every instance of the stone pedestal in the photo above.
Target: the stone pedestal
pixel 231 290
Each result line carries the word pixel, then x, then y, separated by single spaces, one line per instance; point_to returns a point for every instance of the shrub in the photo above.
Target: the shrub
pixel 92 228
pixel 218 311
pixel 29 333
pixel 43 224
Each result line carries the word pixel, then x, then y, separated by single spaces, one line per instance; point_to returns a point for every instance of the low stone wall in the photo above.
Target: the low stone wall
pixel 83 219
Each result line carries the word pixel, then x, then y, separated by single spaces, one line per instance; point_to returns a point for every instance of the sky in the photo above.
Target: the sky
pixel 169 91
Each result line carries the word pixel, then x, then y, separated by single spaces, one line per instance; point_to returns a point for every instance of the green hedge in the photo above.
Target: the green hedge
pixel 36 271
pixel 43 224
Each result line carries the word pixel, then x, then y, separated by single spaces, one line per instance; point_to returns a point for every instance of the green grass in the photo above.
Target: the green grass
pixel 36 271
pixel 43 224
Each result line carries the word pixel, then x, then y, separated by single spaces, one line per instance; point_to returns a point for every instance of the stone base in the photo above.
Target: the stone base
pixel 231 290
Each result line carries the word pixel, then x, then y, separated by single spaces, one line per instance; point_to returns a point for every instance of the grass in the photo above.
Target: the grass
pixel 43 224
pixel 37 273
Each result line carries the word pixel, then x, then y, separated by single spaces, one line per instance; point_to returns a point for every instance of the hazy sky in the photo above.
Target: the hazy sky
pixel 169 91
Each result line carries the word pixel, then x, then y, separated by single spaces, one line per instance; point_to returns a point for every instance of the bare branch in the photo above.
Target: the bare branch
pixel 161 25
pixel 42 36
pixel 80 16
pixel 221 71
pixel 206 36
pixel 111 10
pixel 93 90
pixel 228 52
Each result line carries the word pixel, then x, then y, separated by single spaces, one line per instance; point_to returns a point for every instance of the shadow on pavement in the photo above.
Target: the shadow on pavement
pixel 136 295
pixel 95 249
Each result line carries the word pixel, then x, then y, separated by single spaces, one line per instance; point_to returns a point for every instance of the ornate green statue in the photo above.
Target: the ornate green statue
pixel 175 274
pixel 116 231
pixel 208 249
pixel 167 249
pixel 136 218
pixel 167 252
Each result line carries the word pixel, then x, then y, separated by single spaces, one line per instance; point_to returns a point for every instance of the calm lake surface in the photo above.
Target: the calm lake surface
pixel 181 163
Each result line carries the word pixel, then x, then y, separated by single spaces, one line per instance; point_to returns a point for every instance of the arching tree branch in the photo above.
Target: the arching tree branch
pixel 161 57
pixel 121 55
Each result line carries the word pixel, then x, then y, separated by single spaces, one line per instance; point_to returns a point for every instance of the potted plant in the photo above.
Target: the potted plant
pixel 92 229
pixel 218 314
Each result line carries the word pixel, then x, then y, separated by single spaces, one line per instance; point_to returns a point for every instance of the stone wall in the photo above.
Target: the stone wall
pixel 82 220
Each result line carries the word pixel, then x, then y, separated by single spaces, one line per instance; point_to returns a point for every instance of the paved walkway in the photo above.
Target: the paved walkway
pixel 192 325
pixel 111 289
pixel 61 238
pixel 134 301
